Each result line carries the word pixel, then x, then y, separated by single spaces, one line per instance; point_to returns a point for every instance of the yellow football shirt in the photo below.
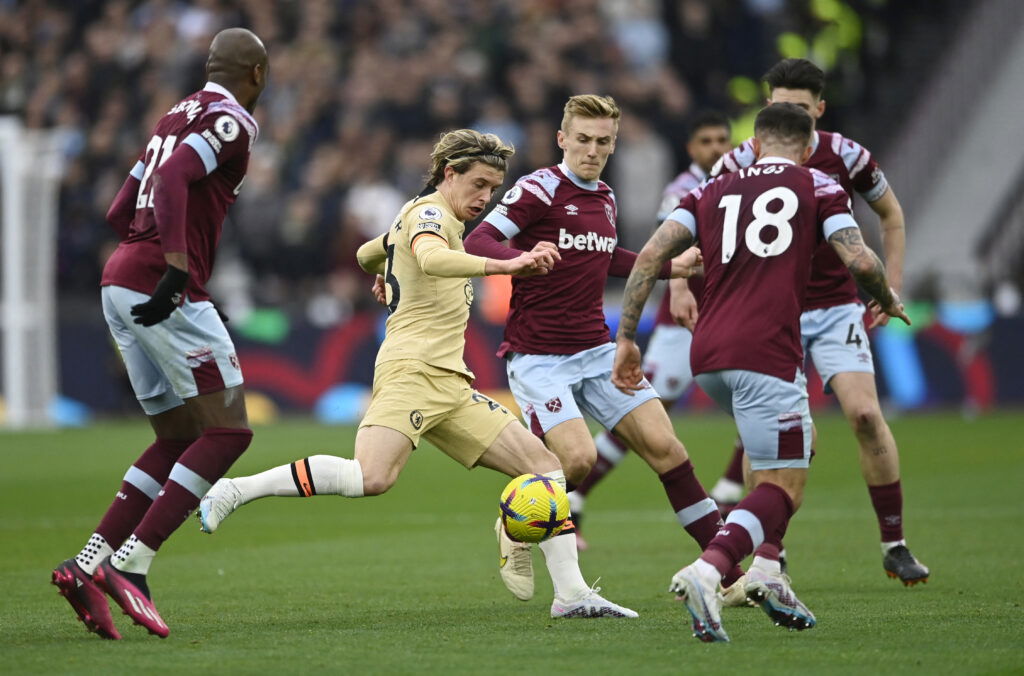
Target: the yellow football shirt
pixel 428 314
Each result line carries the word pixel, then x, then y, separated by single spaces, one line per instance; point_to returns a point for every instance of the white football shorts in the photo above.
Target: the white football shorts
pixel 836 340
pixel 553 388
pixel 188 354
pixel 667 360
pixel 771 414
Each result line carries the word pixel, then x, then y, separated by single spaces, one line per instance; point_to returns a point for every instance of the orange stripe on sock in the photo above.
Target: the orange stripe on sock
pixel 305 485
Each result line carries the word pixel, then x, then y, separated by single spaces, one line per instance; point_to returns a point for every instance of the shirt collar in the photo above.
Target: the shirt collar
pixel 586 185
pixel 217 89
pixel 772 159
pixel 699 173
pixel 814 142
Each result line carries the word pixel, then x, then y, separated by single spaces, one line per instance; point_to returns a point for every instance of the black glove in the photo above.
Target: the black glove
pixel 165 299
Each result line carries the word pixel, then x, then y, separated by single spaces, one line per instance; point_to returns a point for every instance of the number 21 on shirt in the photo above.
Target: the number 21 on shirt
pixel 157 151
pixel 762 218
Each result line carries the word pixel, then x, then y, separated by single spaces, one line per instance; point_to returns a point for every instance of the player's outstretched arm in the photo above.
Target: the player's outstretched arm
pixel 867 269
pixel 436 259
pixel 623 261
pixel 538 261
pixel 373 255
pixel 489 242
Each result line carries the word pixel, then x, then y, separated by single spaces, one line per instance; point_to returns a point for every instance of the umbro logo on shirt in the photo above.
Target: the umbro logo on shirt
pixel 571 210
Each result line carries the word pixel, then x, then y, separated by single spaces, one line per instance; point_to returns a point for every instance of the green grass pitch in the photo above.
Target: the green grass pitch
pixel 408 583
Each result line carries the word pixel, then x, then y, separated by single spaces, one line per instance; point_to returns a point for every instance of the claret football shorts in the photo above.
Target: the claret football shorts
pixel 553 388
pixel 836 341
pixel 420 400
pixel 188 354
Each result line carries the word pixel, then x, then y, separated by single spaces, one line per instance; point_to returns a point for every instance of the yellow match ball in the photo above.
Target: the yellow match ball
pixel 533 508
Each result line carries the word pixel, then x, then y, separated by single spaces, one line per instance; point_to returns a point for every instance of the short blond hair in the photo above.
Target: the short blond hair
pixel 589 106
pixel 461 148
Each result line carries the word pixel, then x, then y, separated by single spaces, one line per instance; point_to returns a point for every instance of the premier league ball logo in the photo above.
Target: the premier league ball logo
pixel 226 128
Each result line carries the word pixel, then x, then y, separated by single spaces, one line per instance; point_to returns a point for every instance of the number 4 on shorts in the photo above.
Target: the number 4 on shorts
pixel 852 337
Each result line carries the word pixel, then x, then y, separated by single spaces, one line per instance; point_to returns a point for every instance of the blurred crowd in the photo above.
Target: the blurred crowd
pixel 360 89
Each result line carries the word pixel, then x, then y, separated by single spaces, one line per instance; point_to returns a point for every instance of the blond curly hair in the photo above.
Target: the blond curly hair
pixel 461 148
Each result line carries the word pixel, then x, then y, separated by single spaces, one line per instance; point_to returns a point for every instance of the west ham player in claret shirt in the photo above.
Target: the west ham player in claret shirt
pixel 421 384
pixel 667 359
pixel 758 230
pixel 832 325
pixel 179 356
pixel 557 346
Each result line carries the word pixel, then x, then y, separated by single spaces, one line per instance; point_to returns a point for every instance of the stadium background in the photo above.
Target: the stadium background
pixel 407 583
pixel 360 90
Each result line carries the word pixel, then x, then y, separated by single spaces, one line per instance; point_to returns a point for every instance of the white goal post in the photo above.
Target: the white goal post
pixel 30 171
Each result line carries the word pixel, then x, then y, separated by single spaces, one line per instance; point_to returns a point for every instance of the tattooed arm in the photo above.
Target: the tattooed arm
pixel 867 269
pixel 670 239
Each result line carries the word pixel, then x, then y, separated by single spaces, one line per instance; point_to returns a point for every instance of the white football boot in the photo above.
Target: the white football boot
pixel 515 563
pixel 773 592
pixel 589 605
pixel 700 594
pixel 222 499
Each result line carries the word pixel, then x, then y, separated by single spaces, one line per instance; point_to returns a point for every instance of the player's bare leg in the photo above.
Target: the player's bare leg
pixel 382 453
pixel 516 451
pixel 571 442
pixel 225 435
pixel 610 452
pixel 648 431
pixel 880 467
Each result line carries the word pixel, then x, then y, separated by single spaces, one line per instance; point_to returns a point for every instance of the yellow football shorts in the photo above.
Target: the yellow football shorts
pixel 420 400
